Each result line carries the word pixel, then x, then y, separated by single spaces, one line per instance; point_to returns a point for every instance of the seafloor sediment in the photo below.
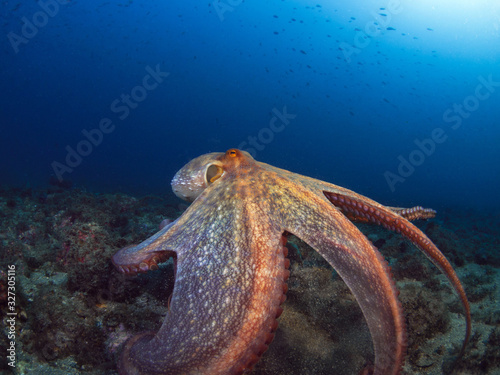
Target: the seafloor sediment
pixel 74 310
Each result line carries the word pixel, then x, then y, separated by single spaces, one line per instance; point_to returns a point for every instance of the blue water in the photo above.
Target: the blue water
pixel 404 110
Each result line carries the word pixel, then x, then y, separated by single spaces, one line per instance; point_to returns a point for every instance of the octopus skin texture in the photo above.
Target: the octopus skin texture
pixel 231 267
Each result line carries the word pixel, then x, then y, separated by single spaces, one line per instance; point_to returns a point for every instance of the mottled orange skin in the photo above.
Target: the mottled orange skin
pixel 231 265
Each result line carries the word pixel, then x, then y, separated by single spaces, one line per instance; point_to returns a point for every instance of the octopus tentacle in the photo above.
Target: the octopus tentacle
pixel 361 208
pixel 391 220
pixel 361 266
pixel 230 283
pixel 410 214
pixel 145 257
pixel 414 213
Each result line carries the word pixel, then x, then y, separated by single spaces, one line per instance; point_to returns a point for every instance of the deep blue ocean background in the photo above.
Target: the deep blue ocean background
pixel 361 103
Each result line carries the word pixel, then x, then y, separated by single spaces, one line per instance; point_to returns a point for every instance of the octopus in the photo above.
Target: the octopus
pixel 231 265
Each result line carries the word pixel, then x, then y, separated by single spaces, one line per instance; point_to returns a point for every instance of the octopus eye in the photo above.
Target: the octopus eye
pixel 213 173
pixel 232 153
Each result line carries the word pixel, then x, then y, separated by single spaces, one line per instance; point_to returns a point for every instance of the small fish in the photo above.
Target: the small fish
pixel 430 29
pixel 391 28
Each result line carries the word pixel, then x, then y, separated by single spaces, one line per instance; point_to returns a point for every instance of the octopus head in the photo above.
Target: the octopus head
pixel 189 182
